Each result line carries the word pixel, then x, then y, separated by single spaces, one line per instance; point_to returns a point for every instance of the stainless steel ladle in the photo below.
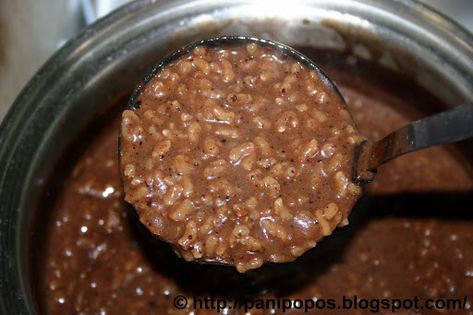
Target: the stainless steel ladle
pixel 446 127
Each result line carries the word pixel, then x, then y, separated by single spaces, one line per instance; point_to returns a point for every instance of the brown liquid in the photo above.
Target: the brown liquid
pixel 411 235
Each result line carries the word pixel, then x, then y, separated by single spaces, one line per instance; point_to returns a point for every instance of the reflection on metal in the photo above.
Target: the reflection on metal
pixel 95 9
pixel 32 30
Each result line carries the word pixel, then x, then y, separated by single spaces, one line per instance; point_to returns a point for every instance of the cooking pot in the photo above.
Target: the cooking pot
pixel 110 56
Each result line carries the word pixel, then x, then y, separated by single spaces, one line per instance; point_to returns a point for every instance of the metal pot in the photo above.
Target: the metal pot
pixel 72 87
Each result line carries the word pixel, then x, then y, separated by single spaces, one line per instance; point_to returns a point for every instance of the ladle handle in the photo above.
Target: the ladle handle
pixel 450 126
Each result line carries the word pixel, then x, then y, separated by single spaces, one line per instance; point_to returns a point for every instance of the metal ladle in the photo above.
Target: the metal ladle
pixel 446 127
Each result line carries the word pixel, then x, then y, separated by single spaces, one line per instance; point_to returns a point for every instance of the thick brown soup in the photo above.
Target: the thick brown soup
pixel 239 154
pixel 410 236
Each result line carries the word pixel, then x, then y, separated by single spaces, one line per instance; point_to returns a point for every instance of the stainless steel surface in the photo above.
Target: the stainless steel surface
pixel 109 57
pixel 31 30
pixel 446 127
pixel 460 11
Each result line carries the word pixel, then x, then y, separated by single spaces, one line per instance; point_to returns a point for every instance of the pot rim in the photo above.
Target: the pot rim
pixel 14 125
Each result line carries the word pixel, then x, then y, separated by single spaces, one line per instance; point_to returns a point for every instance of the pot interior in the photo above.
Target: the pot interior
pixel 85 80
